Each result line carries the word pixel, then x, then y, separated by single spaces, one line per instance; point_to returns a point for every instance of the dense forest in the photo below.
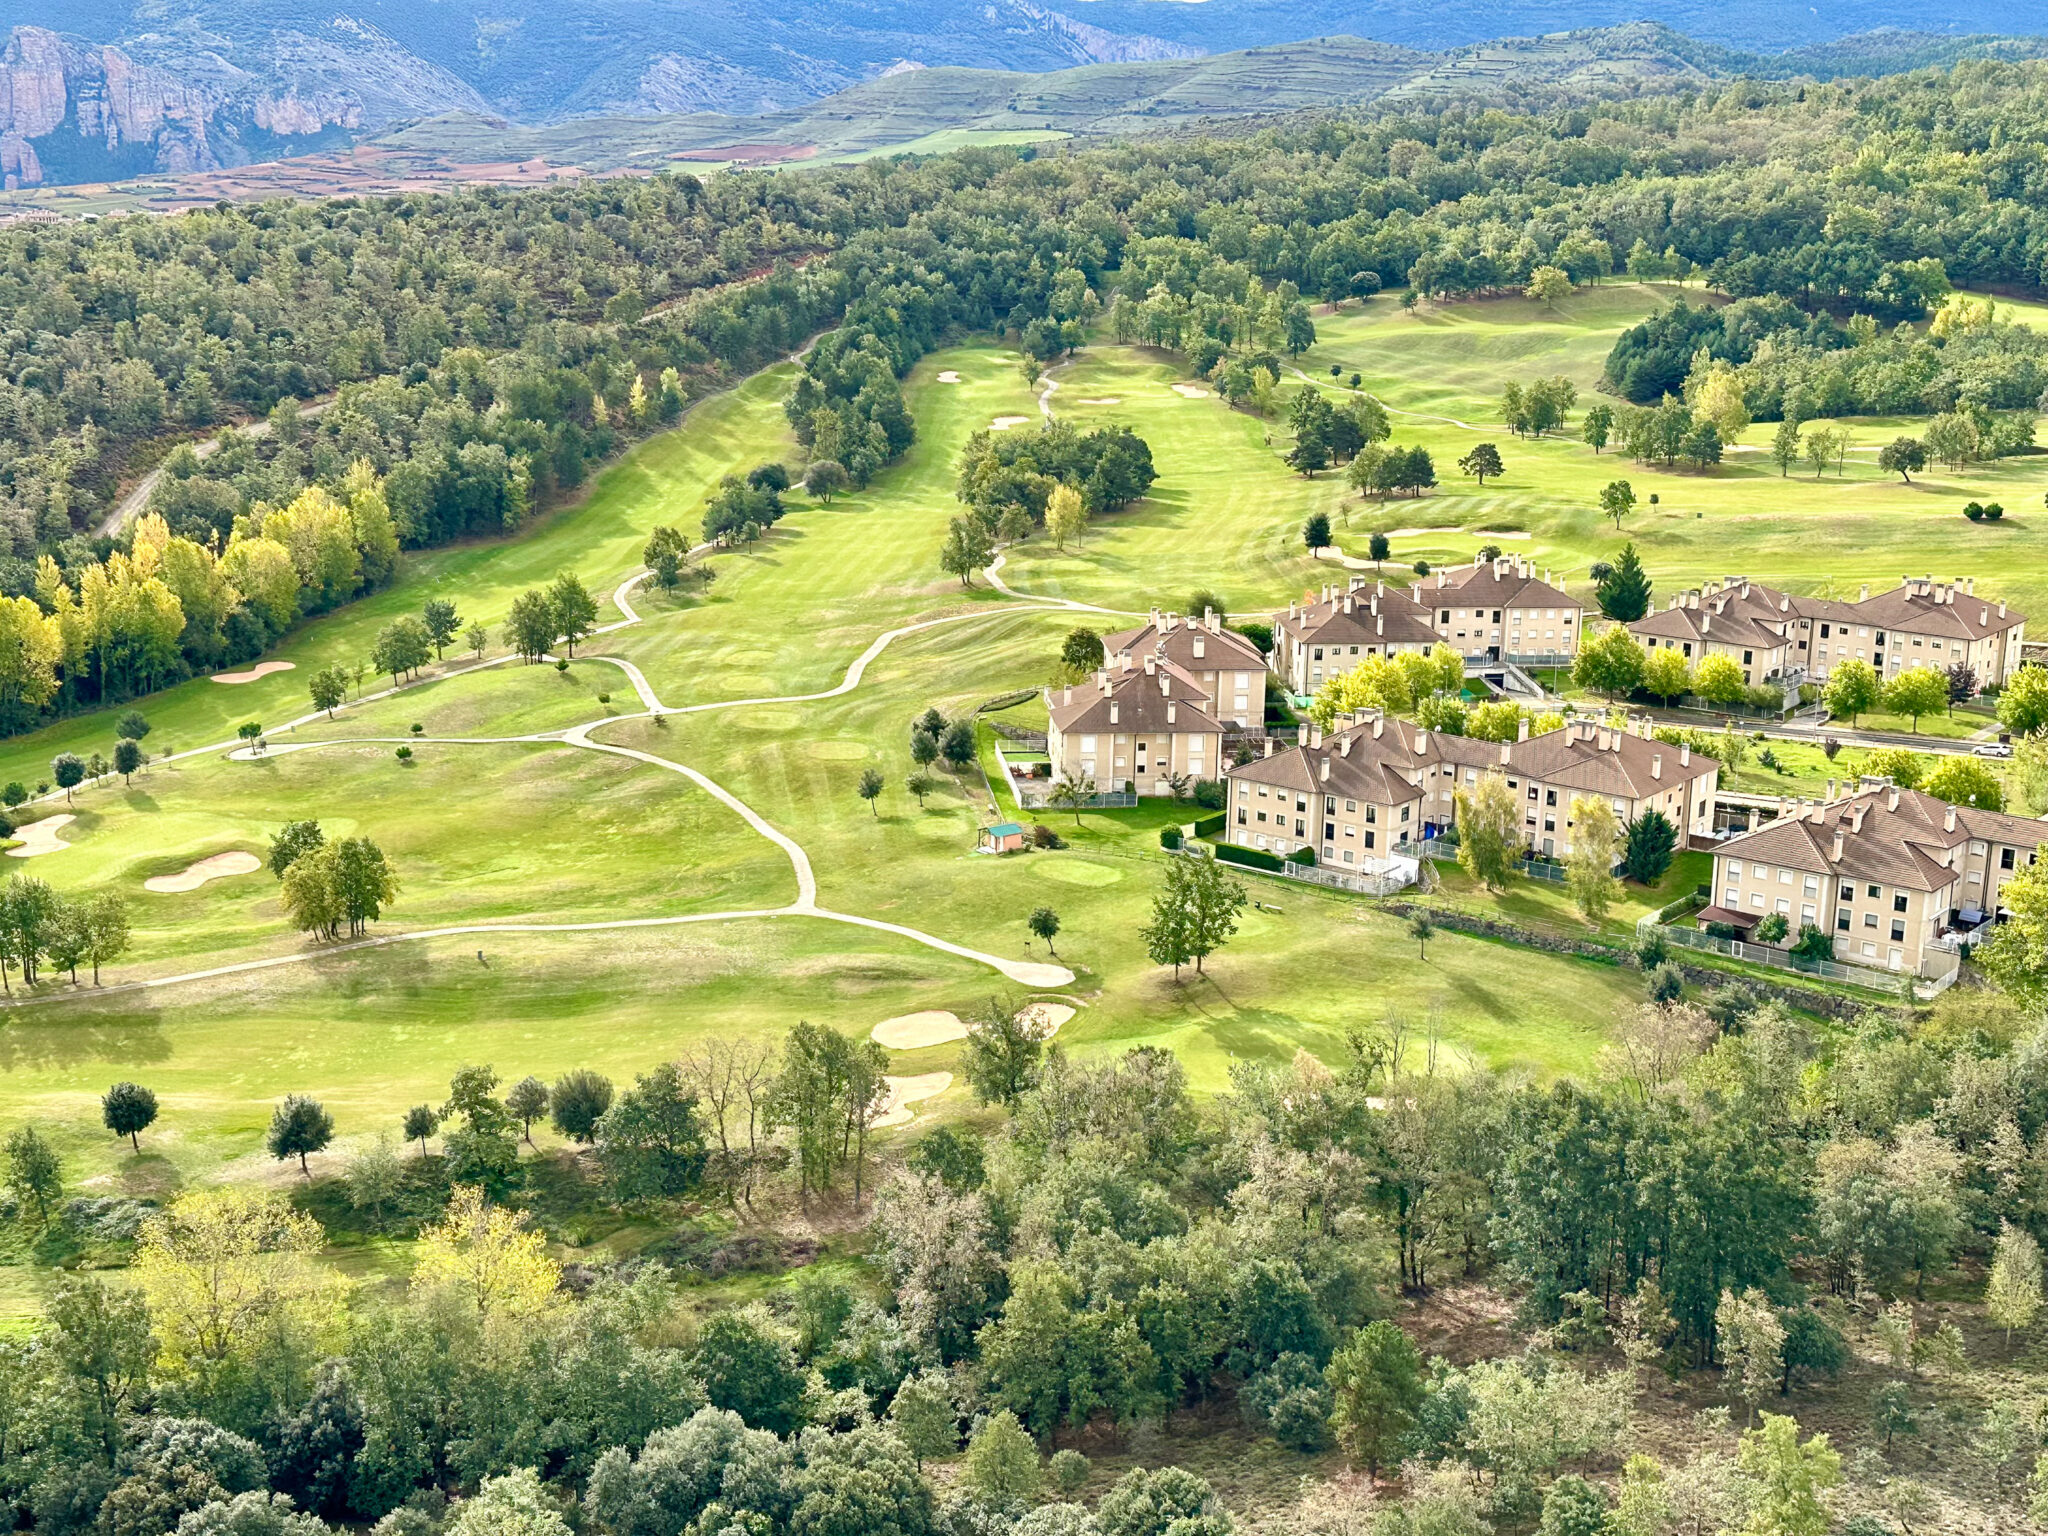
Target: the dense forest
pixel 1742 1189
pixel 483 348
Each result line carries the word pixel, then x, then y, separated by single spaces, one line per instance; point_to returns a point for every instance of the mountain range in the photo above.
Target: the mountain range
pixel 95 90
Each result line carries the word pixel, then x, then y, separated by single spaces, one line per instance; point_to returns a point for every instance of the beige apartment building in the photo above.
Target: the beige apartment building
pixel 1748 632
pixel 1921 622
pixel 1316 641
pixel 1500 610
pixel 1142 722
pixel 1230 669
pixel 1357 794
pixel 1894 876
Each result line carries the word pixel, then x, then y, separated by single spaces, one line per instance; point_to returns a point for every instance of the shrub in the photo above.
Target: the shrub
pixel 1250 858
pixel 1209 794
pixel 1653 951
pixel 1303 856
pixel 1209 826
pixel 1974 511
pixel 1169 838
pixel 1043 836
pixel 1993 511
pixel 1666 985
pixel 405 754
pixel 1772 930
pixel 562 666
pixel 1069 1471
pixel 604 698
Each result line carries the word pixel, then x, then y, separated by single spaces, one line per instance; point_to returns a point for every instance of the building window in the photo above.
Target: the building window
pixel 1898 930
pixel 1899 902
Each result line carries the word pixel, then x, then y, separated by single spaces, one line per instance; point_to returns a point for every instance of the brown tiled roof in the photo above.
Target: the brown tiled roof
pixel 1605 760
pixel 1926 609
pixel 1376 761
pixel 1504 583
pixel 1141 696
pixel 1175 638
pixel 1369 614
pixel 1892 837
pixel 1707 627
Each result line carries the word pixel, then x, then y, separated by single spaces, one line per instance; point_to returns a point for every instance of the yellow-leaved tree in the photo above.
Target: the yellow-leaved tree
pixel 232 1283
pixel 1066 517
pixel 1596 844
pixel 486 1259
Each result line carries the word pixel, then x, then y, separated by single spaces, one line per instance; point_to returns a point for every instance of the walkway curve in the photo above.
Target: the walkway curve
pixel 1024 972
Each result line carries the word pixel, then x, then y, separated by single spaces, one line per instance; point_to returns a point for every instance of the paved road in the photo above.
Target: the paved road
pixel 138 497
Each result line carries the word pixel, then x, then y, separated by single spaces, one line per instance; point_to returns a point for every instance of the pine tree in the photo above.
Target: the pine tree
pixel 1624 592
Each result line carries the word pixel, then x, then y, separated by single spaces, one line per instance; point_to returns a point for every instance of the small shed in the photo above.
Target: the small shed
pixel 1003 837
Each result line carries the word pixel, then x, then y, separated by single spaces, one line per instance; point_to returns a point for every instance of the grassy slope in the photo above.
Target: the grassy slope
pixel 483 832
pixel 492 832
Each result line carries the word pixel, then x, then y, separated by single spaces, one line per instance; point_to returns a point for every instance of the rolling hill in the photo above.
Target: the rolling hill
pixel 98 89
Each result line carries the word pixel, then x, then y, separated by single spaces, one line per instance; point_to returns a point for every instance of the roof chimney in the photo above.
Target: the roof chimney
pixel 1155 618
pixel 1507 753
pixel 1685 756
pixel 1199 651
pixel 1522 729
pixel 1656 765
pixel 1112 711
pixel 1379 625
pixel 1864 597
pixel 1344 746
pixel 1838 845
pixel 1856 817
pixel 1165 685
pixel 1831 789
pixel 1269 746
pixel 1439 580
pixel 1323 770
pixel 1151 666
pixel 1315 734
pixel 1070 695
pixel 2001 609
pixel 1379 725
pixel 1948 822
pixel 1212 620
pixel 1172 709
pixel 1421 741
pixel 1892 801
pixel 1347 602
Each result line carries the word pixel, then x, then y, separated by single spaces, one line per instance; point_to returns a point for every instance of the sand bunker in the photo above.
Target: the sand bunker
pixel 40 837
pixel 915 1031
pixel 1191 392
pixel 1048 1017
pixel 949 377
pixel 261 669
pixel 1101 400
pixel 196 874
pixel 906 1091
pixel 1004 423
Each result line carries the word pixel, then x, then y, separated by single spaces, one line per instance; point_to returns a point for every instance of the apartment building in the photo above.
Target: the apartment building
pixel 1358 793
pixel 1738 623
pixel 1500 610
pixel 1354 795
pixel 1315 641
pixel 1142 722
pixel 1921 622
pixel 1892 875
pixel 1230 669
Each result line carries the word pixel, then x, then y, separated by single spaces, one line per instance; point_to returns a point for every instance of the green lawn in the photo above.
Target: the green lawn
pixel 546 831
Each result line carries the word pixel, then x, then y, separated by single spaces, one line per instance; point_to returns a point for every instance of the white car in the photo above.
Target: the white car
pixel 1992 749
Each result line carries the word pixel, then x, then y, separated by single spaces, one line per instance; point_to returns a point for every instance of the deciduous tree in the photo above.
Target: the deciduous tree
pixel 299 1126
pixel 128 1109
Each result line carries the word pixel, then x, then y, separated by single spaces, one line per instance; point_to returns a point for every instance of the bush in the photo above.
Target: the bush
pixel 1653 951
pixel 405 754
pixel 1303 856
pixel 1043 836
pixel 1974 511
pixel 1993 511
pixel 1069 1471
pixel 1666 985
pixel 1209 794
pixel 1209 826
pixel 1250 858
pixel 1170 839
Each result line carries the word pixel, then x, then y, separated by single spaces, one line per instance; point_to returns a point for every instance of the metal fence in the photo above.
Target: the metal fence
pixel 1869 977
pixel 1393 880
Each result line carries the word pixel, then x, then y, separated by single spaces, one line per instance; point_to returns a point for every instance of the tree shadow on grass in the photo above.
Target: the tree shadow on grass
pixel 72 1036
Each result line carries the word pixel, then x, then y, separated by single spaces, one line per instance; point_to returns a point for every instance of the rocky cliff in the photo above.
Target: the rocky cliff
pixel 71 111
